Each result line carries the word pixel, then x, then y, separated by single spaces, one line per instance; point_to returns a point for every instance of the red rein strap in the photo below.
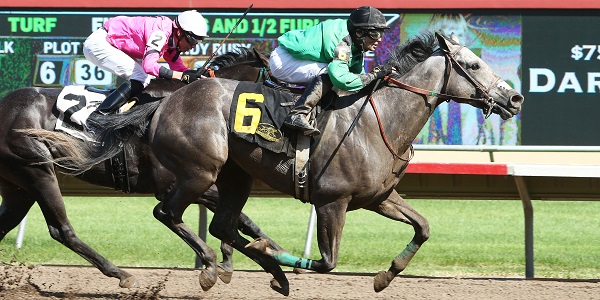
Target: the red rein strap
pixel 382 131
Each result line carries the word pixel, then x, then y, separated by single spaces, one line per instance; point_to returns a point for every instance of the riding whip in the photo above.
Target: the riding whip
pixel 232 29
pixel 362 108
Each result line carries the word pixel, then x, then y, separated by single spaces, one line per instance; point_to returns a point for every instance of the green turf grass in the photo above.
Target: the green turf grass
pixel 468 237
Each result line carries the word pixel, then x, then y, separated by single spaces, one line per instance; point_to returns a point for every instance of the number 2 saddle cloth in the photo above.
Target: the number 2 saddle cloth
pixel 74 104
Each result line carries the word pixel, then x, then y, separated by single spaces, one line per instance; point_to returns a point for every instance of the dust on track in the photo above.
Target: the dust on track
pixel 79 282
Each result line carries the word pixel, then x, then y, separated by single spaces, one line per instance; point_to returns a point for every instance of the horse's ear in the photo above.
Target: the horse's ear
pixel 442 42
pixel 255 52
pixel 262 57
pixel 454 38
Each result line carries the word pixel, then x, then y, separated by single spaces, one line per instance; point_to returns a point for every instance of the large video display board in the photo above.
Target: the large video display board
pixel 552 59
pixel 561 72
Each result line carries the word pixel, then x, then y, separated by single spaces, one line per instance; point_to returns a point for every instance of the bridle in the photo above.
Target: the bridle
pixel 450 62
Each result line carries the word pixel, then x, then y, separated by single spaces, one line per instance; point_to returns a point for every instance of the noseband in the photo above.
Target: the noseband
pixel 451 61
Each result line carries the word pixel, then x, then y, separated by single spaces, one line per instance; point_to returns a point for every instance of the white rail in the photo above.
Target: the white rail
pixel 517 171
pixel 491 149
pixel 498 148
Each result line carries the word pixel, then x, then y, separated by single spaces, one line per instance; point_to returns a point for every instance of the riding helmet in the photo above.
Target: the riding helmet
pixel 367 17
pixel 192 22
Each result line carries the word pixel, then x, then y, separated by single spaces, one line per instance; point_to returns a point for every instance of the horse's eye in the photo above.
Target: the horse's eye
pixel 474 66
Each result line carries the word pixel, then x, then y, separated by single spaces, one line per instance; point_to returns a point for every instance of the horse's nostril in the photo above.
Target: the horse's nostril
pixel 516 100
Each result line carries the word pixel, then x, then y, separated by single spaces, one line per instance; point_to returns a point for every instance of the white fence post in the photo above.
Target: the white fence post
pixel 21 233
pixel 309 231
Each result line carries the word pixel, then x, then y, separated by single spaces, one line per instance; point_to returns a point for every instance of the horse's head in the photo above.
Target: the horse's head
pixel 476 83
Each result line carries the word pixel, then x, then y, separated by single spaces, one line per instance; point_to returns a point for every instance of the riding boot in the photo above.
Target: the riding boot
pixel 119 96
pixel 298 116
pixel 113 102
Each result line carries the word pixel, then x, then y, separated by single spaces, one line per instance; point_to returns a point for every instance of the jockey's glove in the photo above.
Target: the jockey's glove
pixel 381 71
pixel 190 76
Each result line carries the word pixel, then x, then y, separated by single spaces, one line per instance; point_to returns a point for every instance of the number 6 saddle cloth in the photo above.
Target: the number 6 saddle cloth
pixel 257 115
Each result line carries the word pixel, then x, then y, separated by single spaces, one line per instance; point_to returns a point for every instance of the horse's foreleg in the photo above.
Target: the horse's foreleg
pixel 247 227
pixel 170 212
pixel 397 209
pixel 330 223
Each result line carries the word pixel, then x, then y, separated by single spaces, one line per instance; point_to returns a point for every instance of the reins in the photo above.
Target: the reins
pixel 384 136
pixel 450 61
pixel 263 74
pixel 487 99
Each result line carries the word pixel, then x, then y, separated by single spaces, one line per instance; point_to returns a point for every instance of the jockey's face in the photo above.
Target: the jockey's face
pixel 184 44
pixel 371 38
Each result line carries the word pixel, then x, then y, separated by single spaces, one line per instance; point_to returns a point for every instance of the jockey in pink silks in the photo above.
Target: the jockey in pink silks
pixel 130 47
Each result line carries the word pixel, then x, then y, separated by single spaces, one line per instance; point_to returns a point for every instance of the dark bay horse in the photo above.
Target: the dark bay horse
pixel 21 183
pixel 348 171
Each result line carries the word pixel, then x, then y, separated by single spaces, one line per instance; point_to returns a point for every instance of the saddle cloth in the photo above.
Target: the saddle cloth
pixel 75 104
pixel 257 115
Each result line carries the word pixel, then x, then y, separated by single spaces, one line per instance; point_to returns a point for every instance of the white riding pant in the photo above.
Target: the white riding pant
pixel 286 68
pixel 104 55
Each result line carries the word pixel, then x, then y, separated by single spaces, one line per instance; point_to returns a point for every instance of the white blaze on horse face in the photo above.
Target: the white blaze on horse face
pixel 503 85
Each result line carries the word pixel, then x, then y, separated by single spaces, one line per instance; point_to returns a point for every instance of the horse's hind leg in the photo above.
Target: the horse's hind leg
pixel 170 212
pixel 41 184
pixel 397 209
pixel 246 226
pixel 209 199
pixel 14 207
pixel 234 186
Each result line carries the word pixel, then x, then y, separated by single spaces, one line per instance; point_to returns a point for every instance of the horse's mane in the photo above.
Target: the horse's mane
pixel 408 54
pixel 234 57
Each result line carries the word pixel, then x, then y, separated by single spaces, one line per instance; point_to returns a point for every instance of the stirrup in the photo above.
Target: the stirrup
pixel 311 132
pixel 299 122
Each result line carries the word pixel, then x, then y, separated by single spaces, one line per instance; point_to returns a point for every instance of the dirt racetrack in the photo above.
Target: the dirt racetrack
pixel 71 282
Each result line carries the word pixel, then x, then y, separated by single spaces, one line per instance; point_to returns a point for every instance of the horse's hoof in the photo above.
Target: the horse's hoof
pixel 283 289
pixel 129 282
pixel 207 279
pixel 258 245
pixel 225 275
pixel 299 271
pixel 381 281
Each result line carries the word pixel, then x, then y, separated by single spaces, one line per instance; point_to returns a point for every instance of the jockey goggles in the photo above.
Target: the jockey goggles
pixel 191 38
pixel 375 34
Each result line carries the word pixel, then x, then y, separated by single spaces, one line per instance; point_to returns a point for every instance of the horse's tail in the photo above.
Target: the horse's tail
pixel 71 151
pixel 110 132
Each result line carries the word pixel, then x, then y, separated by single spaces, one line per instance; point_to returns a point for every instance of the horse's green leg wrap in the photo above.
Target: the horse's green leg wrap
pixel 405 256
pixel 286 259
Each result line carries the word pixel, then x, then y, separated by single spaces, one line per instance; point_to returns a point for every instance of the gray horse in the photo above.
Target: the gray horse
pixel 189 134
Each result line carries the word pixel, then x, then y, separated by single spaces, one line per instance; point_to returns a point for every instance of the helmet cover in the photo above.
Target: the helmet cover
pixel 192 22
pixel 368 17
